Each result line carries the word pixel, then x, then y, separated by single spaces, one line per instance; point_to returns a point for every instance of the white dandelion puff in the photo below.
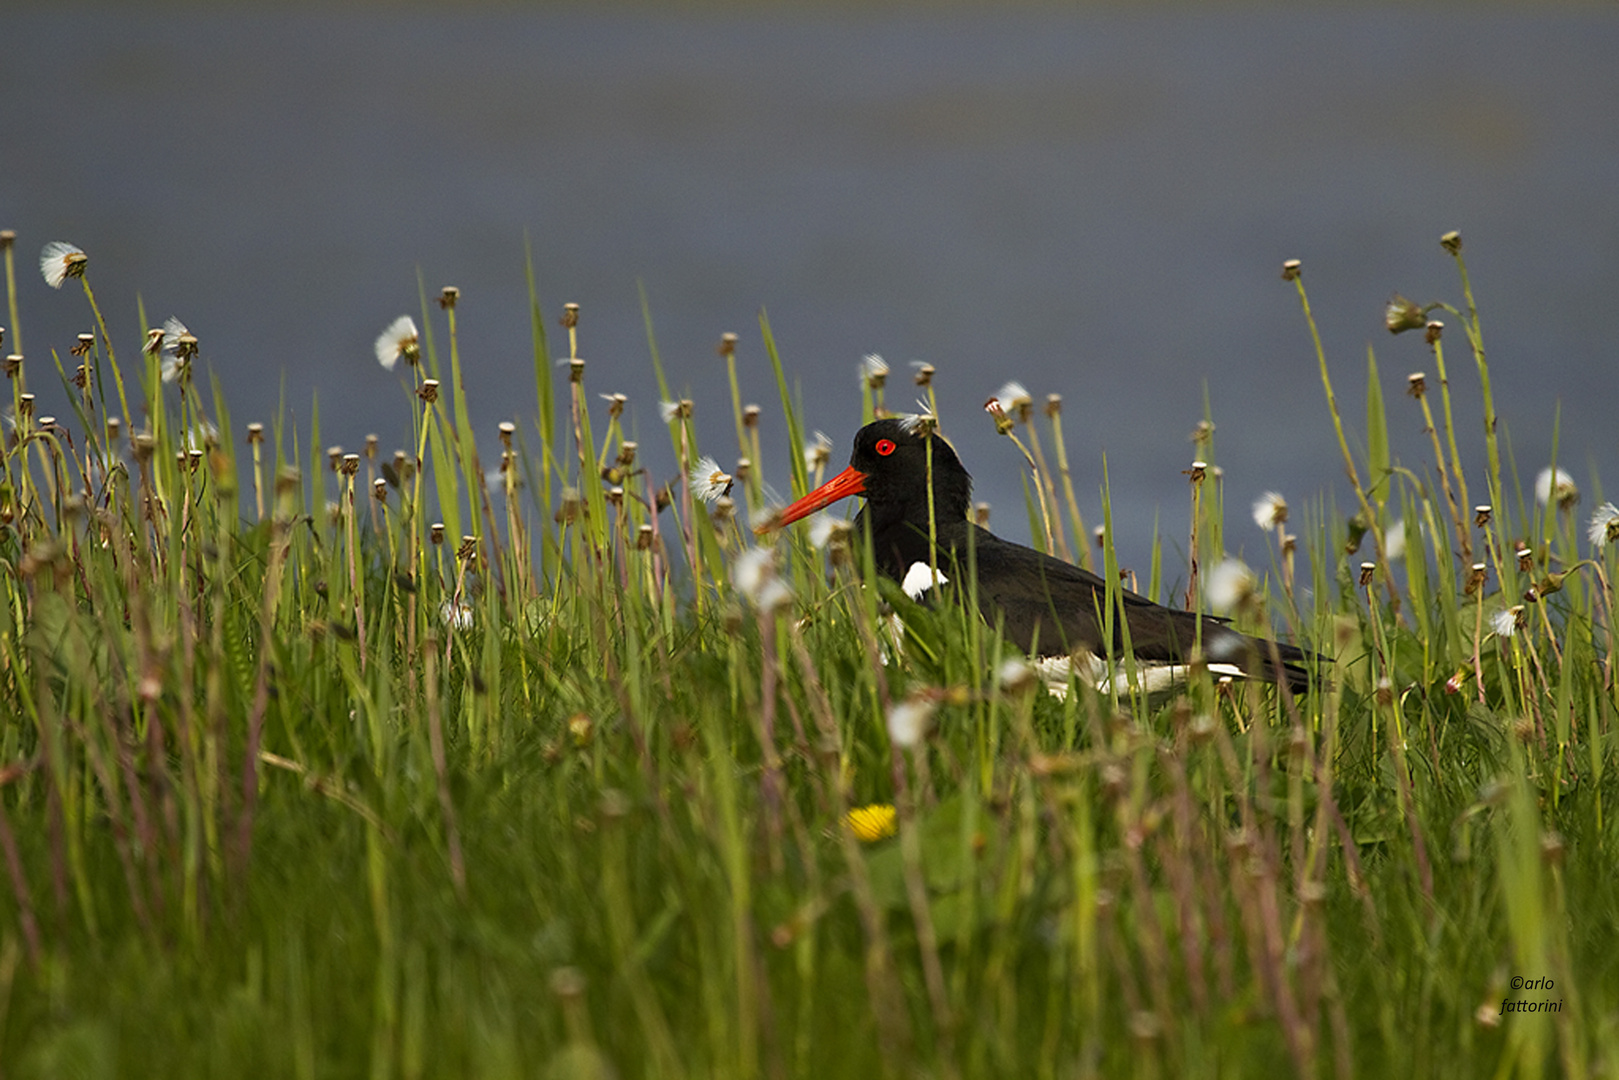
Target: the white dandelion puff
pixel 398 340
pixel 668 410
pixel 1228 585
pixel 1604 525
pixel 57 260
pixel 918 423
pixel 754 575
pixel 1554 485
pixel 1270 510
pixel 908 720
pixel 1506 622
pixel 873 369
pixel 175 334
pixel 818 451
pixel 1015 674
pixel 823 527
pixel 709 481
pixel 457 615
pixel 179 347
pixel 203 434
pixel 1394 541
pixel 1013 396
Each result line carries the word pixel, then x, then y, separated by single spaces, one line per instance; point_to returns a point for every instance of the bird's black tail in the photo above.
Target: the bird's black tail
pixel 1261 658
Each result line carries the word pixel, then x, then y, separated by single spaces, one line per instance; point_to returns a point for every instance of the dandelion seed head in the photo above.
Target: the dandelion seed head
pixel 1013 396
pixel 1015 674
pixel 1394 541
pixel 873 370
pixel 1229 585
pixel 398 340
pixel 918 423
pixel 823 528
pixel 173 331
pixel 57 260
pixel 1270 510
pixel 456 615
pixel 818 451
pixel 754 575
pixel 1604 525
pixel 709 481
pixel 1553 485
pixel 908 720
pixel 1506 622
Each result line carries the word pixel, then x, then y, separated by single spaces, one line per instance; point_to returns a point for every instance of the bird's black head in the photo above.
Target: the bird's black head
pixel 892 460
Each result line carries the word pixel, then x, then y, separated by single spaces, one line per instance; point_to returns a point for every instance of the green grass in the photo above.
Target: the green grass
pixel 265 810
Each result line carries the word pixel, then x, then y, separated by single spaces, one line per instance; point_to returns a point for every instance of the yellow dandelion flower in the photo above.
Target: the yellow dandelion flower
pixel 871 823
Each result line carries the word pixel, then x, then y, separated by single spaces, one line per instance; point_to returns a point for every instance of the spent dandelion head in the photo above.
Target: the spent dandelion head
pixel 399 341
pixel 1400 315
pixel 59 260
pixel 1003 422
pixel 924 372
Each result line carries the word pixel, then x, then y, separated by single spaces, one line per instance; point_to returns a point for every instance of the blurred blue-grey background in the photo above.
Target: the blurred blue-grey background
pixel 1094 201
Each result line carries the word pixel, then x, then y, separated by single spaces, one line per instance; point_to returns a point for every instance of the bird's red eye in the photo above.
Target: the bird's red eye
pixel 885 447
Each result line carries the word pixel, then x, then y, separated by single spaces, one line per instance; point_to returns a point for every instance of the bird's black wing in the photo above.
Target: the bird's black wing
pixel 1053 607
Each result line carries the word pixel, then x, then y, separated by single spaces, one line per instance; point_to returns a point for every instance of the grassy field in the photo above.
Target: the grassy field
pixel 423 763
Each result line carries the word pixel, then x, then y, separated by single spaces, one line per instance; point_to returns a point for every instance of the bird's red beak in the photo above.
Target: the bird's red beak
pixel 850 481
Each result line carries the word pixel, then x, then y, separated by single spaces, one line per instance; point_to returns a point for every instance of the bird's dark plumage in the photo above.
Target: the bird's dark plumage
pixel 1045 605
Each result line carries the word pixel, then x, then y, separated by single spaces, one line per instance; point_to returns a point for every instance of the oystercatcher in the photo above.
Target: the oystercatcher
pixel 1044 605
